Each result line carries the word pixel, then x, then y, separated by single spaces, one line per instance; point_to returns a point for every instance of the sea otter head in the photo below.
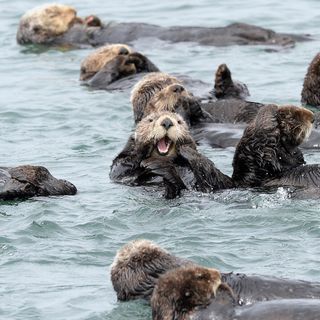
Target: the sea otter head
pixel 295 124
pixel 179 291
pixel 161 134
pixel 43 24
pixel 168 99
pixel 137 266
pixel 95 61
pixel 146 88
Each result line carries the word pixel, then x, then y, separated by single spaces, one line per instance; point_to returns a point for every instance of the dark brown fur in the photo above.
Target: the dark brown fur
pixel 137 267
pixel 28 181
pixel 138 164
pixel 269 145
pixel 310 94
pixel 225 87
pixel 179 291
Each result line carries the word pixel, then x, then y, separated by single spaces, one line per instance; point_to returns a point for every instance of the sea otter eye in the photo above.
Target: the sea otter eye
pixel 150 120
pixel 179 122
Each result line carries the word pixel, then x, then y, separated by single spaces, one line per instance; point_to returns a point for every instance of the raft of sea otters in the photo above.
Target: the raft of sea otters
pixel 172 115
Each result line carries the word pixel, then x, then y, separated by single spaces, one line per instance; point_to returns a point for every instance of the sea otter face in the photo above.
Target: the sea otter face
pixel 163 131
pixel 146 88
pixel 43 24
pixel 295 123
pixel 167 99
pixel 99 58
pixel 180 291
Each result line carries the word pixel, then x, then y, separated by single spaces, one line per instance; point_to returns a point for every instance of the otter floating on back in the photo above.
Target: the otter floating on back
pixel 197 293
pixel 28 181
pixel 53 24
pixel 163 147
pixel 138 265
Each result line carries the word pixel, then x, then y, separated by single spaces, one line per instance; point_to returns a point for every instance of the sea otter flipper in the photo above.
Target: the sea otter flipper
pixel 306 176
pixel 207 177
pixel 165 168
pixel 125 167
pixel 225 87
pixel 142 63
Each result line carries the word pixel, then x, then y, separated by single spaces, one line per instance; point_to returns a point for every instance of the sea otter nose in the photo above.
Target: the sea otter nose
pixel 167 123
pixel 177 88
pixel 123 51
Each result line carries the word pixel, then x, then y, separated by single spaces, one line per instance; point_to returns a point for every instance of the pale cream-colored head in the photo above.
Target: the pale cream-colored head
pixel 95 61
pixel 166 99
pixel 164 131
pixel 146 88
pixel 132 249
pixel 45 22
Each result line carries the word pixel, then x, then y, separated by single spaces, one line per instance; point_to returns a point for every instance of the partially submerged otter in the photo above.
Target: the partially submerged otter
pixel 269 148
pixel 163 147
pixel 161 91
pixel 139 264
pixel 310 94
pixel 103 68
pixel 28 181
pixel 57 24
pixel 197 293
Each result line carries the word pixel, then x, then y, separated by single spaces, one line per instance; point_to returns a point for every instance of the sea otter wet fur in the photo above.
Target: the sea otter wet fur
pixel 269 146
pixel 162 146
pixel 197 293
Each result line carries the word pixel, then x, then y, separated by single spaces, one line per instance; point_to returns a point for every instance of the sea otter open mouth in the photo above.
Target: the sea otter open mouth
pixel 163 146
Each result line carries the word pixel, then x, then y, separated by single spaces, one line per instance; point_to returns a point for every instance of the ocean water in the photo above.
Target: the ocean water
pixel 55 252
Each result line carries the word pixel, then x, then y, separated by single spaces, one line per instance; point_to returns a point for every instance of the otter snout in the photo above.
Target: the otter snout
pixel 167 123
pixel 177 88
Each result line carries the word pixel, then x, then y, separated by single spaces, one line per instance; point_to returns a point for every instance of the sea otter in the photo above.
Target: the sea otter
pixel 269 147
pixel 163 147
pixel 95 61
pixel 55 24
pixel 197 293
pixel 138 265
pixel 310 92
pixel 28 181
pixel 103 68
pixel 161 91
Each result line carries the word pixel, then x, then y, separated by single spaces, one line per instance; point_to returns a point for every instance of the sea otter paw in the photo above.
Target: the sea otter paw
pixel 188 153
pixel 172 191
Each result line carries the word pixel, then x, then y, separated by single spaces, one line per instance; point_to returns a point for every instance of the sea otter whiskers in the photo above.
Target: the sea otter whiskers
pixel 163 147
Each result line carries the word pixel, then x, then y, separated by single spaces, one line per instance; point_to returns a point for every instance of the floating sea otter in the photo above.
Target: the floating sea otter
pixel 28 181
pixel 139 264
pixel 114 66
pixel 161 91
pixel 269 154
pixel 58 24
pixel 162 147
pixel 197 293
